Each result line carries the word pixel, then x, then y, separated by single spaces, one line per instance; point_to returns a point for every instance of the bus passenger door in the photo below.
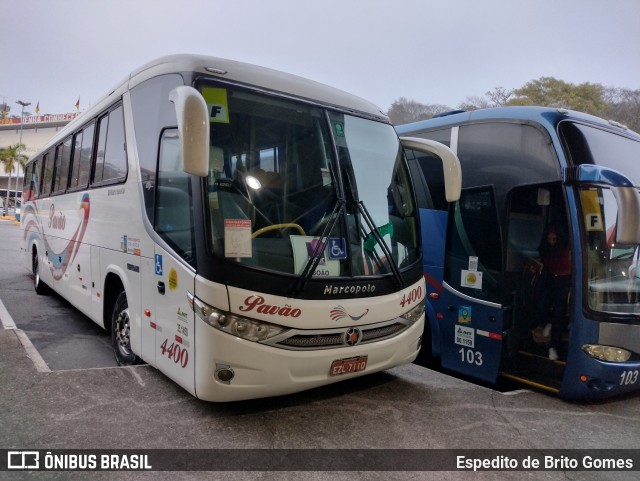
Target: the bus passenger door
pixel 175 275
pixel 428 182
pixel 471 328
pixel 436 175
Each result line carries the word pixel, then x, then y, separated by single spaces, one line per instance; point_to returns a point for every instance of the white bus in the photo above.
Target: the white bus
pixel 247 232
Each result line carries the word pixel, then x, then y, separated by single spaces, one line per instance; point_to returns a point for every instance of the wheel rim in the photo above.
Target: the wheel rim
pixel 36 270
pixel 122 333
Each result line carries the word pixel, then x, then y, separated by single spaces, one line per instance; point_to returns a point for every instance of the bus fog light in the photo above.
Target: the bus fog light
pixel 224 373
pixel 607 353
pixel 414 314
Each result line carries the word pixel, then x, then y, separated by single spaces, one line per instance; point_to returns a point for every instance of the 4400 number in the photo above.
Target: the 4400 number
pixel 411 297
pixel 178 354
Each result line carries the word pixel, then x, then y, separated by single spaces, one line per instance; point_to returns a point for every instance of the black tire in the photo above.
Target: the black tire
pixel 120 332
pixel 40 287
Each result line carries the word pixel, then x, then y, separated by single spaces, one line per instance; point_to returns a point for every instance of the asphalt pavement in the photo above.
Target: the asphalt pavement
pixel 406 408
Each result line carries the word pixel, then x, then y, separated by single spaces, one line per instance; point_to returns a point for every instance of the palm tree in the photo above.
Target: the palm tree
pixel 10 156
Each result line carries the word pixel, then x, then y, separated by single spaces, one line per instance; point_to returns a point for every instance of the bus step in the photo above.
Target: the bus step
pixel 536 370
pixel 530 382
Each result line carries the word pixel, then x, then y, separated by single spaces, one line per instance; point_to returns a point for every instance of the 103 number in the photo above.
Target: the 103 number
pixel 470 356
pixel 628 377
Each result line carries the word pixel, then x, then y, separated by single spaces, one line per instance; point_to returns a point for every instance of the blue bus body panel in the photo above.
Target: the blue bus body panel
pixel 471 338
pixel 466 334
pixel 601 379
pixel 434 231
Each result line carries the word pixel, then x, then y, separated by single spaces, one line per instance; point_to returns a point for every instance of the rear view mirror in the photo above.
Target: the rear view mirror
pixel 450 163
pixel 628 224
pixel 193 128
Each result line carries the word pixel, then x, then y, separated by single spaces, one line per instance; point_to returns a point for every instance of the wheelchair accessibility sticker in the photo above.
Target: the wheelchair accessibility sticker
pixel 337 248
pixel 158 265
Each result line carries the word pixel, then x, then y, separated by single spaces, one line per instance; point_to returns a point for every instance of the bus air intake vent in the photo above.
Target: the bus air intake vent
pixel 297 339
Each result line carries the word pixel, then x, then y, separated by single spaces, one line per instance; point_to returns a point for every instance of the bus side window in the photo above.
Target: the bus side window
pixel 63 158
pixel 26 182
pixel 173 218
pixel 35 179
pixel 47 174
pixel 111 155
pixel 81 162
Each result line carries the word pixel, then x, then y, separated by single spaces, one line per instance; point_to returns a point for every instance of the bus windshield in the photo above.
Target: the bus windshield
pixel 295 189
pixel 613 278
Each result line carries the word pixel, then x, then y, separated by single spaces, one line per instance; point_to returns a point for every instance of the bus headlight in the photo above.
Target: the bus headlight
pixel 238 326
pixel 414 314
pixel 607 353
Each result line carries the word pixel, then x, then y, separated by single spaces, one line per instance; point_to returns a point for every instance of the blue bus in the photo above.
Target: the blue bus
pixel 498 307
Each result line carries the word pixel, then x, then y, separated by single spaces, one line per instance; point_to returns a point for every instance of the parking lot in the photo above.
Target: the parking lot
pixel 60 390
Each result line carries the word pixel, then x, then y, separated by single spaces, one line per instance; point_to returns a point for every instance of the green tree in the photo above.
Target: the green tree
pixel 493 98
pixel 11 157
pixel 551 92
pixel 621 105
pixel 403 111
pixel 624 107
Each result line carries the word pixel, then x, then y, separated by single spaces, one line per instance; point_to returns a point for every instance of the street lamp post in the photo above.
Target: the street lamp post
pixel 6 206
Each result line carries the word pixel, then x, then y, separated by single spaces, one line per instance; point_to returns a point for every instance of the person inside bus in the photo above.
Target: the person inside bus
pixel 555 285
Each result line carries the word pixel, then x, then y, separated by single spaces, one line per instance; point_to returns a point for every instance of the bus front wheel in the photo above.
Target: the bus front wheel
pixel 121 331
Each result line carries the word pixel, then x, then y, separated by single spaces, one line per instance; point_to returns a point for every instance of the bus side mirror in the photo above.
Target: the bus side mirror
pixel 193 129
pixel 450 163
pixel 628 223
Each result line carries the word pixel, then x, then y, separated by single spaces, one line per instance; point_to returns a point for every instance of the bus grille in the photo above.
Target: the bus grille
pixel 334 338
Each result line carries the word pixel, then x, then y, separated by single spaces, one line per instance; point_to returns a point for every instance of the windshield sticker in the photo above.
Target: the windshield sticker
pixel 337 248
pixel 464 314
pixel 338 127
pixel 473 263
pixel 303 250
pixel 217 104
pixel 237 238
pixel 472 279
pixel 591 209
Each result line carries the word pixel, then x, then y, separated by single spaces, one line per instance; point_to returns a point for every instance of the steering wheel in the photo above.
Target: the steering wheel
pixel 278 226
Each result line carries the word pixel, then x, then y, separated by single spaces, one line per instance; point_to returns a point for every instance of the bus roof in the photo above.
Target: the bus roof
pixel 543 115
pixel 233 71
pixel 257 76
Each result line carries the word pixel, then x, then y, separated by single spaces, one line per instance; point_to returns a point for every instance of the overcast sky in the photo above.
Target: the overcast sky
pixel 432 51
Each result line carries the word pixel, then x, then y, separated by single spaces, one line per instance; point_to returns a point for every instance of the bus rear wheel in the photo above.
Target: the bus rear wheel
pixel 39 286
pixel 121 331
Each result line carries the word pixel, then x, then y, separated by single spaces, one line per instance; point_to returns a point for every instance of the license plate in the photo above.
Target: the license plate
pixel 347 366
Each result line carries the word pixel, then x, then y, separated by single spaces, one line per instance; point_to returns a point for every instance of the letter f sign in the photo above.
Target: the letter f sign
pixel 593 222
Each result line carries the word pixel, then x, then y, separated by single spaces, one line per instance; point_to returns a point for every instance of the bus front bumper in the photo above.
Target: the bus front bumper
pixel 230 369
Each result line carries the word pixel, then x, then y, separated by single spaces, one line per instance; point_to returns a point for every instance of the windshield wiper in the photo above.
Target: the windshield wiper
pixel 376 236
pixel 318 251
